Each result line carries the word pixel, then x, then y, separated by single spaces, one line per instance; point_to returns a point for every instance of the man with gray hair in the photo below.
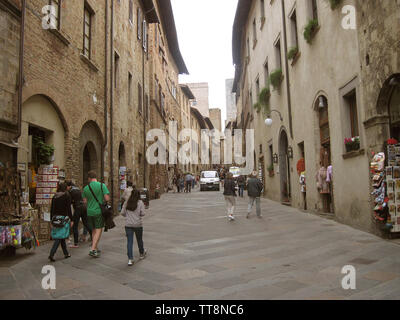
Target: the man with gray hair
pixel 254 189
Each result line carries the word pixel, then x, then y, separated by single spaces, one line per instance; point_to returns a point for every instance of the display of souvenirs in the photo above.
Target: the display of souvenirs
pixel 46 186
pixel 10 236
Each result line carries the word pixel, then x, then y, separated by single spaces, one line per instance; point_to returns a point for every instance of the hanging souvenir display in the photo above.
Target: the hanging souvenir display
pixel 382 202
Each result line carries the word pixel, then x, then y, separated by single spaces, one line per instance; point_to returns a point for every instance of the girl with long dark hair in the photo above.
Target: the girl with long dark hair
pixel 133 210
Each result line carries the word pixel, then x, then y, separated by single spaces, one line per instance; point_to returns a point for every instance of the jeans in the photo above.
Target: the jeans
pixel 251 203
pixel 188 186
pixel 241 191
pixel 57 242
pixel 230 202
pixel 139 238
pixel 80 213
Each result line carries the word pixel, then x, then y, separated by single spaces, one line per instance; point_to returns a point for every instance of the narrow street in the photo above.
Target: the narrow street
pixel 195 253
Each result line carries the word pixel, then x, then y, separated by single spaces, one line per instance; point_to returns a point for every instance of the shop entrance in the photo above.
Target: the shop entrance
pixel 89 161
pixel 394 107
pixel 284 166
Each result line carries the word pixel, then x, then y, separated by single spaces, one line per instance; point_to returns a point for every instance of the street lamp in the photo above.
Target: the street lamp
pixel 269 121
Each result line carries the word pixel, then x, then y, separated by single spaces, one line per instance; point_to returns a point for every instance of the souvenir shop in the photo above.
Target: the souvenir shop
pixel 385 180
pixel 17 218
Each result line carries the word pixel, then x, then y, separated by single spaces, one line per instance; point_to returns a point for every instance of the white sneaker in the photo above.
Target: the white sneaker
pixel 130 263
pixel 231 217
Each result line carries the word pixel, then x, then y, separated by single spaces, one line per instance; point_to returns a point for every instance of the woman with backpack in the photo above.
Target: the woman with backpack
pixel 133 210
pixel 61 207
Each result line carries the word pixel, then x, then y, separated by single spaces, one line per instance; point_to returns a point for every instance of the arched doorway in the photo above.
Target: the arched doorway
pixel 393 105
pixel 321 106
pixel 90 150
pixel 89 160
pixel 284 166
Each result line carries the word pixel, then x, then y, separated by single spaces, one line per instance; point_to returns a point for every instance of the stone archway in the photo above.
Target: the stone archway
pixel 90 150
pixel 284 167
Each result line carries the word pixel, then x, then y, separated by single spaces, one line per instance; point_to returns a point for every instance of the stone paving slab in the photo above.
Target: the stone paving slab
pixel 196 253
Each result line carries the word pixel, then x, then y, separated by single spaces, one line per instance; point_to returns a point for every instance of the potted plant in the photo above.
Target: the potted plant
pixel 352 144
pixel 257 106
pixel 293 53
pixel 263 98
pixel 275 78
pixel 310 29
pixel 44 151
pixel 271 170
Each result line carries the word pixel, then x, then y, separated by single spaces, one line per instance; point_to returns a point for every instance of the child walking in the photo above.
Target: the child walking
pixel 133 210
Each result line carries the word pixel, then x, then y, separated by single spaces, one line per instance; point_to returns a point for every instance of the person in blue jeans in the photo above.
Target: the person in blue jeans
pixel 133 210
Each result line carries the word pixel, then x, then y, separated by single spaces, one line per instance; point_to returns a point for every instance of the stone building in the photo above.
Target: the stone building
pixel 165 66
pixel 379 46
pixel 10 66
pixel 230 98
pixel 291 70
pixel 200 91
pixel 215 117
pixel 92 83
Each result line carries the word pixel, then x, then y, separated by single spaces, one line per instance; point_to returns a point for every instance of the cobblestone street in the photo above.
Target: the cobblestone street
pixel 195 253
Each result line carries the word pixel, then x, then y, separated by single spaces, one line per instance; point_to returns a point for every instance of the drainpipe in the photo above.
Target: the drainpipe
pixel 112 103
pixel 289 101
pixel 21 68
pixel 105 92
pixel 144 118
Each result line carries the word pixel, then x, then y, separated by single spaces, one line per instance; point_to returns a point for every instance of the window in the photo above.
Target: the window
pixel 57 6
pixel 144 35
pixel 131 11
pixel 139 23
pixel 87 32
pixel 271 154
pixel 266 74
pixel 314 10
pixel 248 48
pixel 116 69
pixel 147 110
pixel 156 90
pixel 278 54
pixel 163 103
pixel 257 87
pixel 139 158
pixel 140 103
pixel 262 10
pixel 293 23
pixel 351 101
pixel 254 33
pixel 130 89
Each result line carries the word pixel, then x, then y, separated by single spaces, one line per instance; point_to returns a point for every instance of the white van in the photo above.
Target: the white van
pixel 209 180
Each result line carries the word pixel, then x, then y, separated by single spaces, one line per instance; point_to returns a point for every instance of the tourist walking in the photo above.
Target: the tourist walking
pixel 254 189
pixel 241 183
pixel 188 183
pixel 133 210
pixel 181 183
pixel 61 207
pixel 230 195
pixel 94 194
pixel 79 212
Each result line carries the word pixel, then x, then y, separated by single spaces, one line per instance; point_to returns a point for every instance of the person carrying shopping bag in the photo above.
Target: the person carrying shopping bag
pixel 61 217
pixel 133 210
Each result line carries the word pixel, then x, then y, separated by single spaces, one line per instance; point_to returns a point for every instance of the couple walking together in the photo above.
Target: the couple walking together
pixel 254 189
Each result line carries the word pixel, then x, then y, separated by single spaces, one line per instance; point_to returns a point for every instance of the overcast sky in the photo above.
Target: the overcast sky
pixel 205 39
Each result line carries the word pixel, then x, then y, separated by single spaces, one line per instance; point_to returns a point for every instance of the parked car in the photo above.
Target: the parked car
pixel 209 180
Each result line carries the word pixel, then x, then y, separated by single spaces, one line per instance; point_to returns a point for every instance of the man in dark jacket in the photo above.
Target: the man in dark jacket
pixel 254 189
pixel 230 194
pixel 241 183
pixel 79 211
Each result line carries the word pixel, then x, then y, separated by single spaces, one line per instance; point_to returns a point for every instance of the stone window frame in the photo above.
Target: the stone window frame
pixel 344 91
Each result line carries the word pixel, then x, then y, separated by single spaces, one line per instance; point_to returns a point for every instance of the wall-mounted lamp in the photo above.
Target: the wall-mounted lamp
pixel 269 121
pixel 290 152
pixel 322 102
pixel 275 158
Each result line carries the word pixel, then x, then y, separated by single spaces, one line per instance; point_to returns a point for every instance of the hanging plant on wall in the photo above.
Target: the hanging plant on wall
pixel 264 97
pixel 292 53
pixel 257 106
pixel 334 3
pixel 275 78
pixel 309 30
pixel 44 151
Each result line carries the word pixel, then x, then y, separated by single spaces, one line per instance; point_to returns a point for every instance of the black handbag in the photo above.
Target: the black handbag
pixel 106 211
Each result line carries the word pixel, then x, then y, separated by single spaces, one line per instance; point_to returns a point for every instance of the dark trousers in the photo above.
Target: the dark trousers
pixel 241 191
pixel 55 247
pixel 188 187
pixel 80 213
pixel 130 231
